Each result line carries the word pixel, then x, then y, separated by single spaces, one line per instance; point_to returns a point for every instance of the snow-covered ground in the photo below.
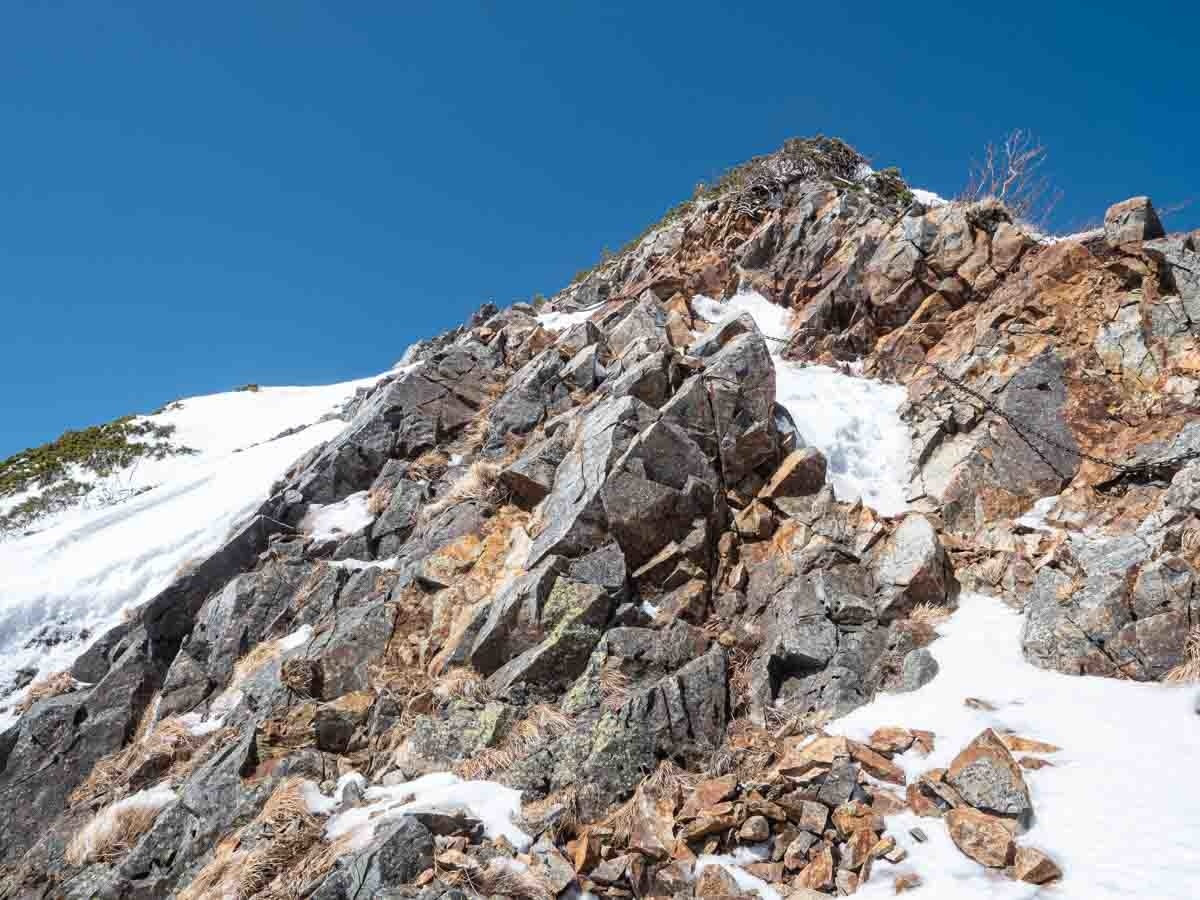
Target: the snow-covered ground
pixel 854 421
pixel 73 578
pixel 1118 808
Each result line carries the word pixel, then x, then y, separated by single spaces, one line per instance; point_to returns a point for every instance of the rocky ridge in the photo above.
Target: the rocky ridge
pixel 602 569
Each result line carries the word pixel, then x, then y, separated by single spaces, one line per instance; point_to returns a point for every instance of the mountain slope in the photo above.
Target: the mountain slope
pixel 828 539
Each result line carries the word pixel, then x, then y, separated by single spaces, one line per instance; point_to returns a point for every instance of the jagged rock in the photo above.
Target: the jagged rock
pixel 912 568
pixel 918 669
pixel 657 489
pixel 399 851
pixel 714 883
pixel 1131 220
pixel 573 514
pixel 740 379
pixel 800 474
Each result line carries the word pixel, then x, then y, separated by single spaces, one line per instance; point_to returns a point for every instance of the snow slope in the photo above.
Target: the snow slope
pixel 1117 810
pixel 854 421
pixel 68 582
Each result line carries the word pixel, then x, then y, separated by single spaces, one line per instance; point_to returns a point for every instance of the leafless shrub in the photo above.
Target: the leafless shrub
pixel 1010 173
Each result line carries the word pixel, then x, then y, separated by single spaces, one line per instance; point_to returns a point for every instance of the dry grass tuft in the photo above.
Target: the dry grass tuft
pixel 378 500
pixel 565 824
pixel 111 833
pixel 459 683
pixel 1188 671
pixel 542 722
pixel 615 686
pixel 51 686
pixel 486 763
pixel 669 778
pixel 253 661
pixel 929 614
pixel 299 675
pixel 167 745
pixel 499 878
pixel 480 482
pixel 283 860
pixel 224 862
pixel 429 466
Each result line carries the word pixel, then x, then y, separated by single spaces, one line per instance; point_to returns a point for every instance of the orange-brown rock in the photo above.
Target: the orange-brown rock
pixel 855 816
pixel 652 832
pixel 875 763
pixel 890 740
pixel 818 874
pixel 714 883
pixel 984 838
pixel 857 849
pixel 1035 867
pixel 1033 762
pixel 1017 744
pixel 708 793
pixel 906 882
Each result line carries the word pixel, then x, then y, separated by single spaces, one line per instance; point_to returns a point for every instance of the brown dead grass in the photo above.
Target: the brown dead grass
pixel 929 614
pixel 52 686
pixel 499 878
pixel 258 657
pixel 110 835
pixel 480 482
pixel 542 722
pixel 615 686
pixel 290 840
pixel 378 500
pixel 429 466
pixel 170 743
pixel 1188 671
pixel 459 683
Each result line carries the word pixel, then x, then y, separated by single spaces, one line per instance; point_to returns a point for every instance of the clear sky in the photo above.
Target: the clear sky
pixel 195 196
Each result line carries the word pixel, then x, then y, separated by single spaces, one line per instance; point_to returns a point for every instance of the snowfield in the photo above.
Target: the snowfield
pixel 1117 810
pixel 71 580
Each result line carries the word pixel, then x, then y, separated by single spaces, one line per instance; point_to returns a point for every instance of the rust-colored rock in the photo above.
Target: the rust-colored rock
pixel 709 793
pixel 876 764
pixel 890 740
pixel 714 882
pixel 1017 744
pixel 989 779
pixel 1035 867
pixel 818 874
pixel 984 838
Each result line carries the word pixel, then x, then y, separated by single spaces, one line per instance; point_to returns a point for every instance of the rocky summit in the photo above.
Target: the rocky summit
pixel 617 595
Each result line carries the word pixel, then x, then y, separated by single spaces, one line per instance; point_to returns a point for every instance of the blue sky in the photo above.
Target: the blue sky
pixel 195 196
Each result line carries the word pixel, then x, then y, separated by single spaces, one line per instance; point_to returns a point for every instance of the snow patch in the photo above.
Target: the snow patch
pixel 561 321
pixel 1118 790
pixel 335 520
pixel 102 824
pixel 928 198
pixel 495 805
pixel 69 582
pixel 856 423
pixel 297 638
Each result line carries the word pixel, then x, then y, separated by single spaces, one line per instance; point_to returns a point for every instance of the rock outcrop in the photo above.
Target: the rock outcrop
pixel 604 571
